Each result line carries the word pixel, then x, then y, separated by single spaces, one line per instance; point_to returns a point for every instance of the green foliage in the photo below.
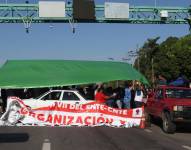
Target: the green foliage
pixel 170 58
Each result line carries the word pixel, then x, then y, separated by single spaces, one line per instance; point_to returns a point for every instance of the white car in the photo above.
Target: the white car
pixel 12 115
pixel 52 96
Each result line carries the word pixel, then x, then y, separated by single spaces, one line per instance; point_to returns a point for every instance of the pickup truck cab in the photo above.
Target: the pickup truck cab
pixel 171 104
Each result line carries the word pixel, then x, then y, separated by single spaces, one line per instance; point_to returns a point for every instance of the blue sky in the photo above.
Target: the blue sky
pixel 90 42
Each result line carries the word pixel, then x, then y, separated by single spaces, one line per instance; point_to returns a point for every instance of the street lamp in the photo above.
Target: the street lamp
pixel 125 59
pixel 134 54
pixel 111 58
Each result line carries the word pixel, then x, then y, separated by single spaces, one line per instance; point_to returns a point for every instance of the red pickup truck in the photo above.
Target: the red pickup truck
pixel 171 104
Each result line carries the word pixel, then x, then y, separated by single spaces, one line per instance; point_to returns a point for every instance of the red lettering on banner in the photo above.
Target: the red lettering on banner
pixel 110 109
pixel 40 117
pixel 122 122
pixel 109 120
pixel 58 104
pixel 115 111
pixel 94 120
pixel 51 107
pixel 100 120
pixel 57 119
pixel 79 107
pixel 91 107
pixel 87 120
pixel 70 120
pixel 95 107
pixel 24 111
pixel 125 112
pixel 64 120
pixel 32 114
pixel 49 118
pixel 79 120
pixel 102 107
pixel 72 106
pixel 92 114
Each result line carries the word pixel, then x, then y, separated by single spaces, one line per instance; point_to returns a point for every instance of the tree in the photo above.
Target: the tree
pixel 170 58
pixel 145 56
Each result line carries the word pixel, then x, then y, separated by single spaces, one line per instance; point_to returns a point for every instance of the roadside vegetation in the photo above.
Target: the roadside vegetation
pixel 171 58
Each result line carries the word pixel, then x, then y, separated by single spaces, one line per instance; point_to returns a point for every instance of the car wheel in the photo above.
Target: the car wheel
pixel 168 125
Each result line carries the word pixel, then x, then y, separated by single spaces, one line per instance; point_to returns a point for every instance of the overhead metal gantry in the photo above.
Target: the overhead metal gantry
pixel 29 13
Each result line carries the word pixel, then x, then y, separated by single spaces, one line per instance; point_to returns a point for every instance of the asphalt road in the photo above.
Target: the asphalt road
pixel 92 138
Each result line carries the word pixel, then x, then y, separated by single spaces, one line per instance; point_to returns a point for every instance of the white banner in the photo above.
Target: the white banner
pixel 62 114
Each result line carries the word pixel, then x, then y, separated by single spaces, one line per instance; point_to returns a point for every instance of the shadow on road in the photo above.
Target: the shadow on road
pixel 13 137
pixel 183 128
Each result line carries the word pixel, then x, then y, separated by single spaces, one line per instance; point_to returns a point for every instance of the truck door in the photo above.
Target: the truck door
pixel 158 102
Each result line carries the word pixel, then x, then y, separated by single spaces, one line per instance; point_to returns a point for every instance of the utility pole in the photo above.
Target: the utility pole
pixel 153 78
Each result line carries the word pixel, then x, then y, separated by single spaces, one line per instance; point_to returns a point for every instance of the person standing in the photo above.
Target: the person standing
pixel 132 103
pixel 139 97
pixel 100 97
pixel 127 96
pixel 98 86
pixel 109 93
pixel 119 97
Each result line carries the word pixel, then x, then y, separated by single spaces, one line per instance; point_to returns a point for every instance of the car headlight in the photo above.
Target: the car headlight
pixel 178 108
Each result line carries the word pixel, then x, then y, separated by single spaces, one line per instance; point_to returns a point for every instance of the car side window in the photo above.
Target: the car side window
pixel 52 96
pixel 159 94
pixel 70 96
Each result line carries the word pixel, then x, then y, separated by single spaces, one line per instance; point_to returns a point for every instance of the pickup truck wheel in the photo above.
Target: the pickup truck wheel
pixel 168 125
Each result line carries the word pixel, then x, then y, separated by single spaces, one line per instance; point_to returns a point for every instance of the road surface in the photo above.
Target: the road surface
pixel 92 138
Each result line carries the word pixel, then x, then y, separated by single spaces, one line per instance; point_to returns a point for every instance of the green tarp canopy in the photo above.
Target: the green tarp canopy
pixel 51 73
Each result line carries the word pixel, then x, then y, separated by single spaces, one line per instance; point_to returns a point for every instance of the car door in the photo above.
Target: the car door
pixel 71 97
pixel 48 99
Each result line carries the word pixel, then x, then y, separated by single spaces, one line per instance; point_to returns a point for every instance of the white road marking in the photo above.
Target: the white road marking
pixel 46 145
pixel 186 147
pixel 147 130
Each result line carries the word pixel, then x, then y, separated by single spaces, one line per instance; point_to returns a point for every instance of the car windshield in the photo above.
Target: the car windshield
pixel 37 97
pixel 82 95
pixel 178 93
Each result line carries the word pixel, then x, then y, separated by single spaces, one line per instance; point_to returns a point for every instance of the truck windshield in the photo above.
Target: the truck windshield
pixel 178 93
